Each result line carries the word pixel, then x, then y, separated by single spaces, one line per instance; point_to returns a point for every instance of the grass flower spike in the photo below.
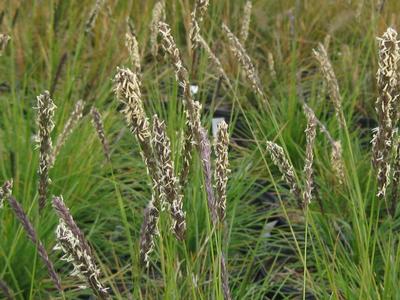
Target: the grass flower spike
pixel 72 242
pixel 244 60
pixel 33 237
pixel 285 167
pixel 386 107
pixel 45 108
pixel 221 168
pixel 169 182
pixel 308 166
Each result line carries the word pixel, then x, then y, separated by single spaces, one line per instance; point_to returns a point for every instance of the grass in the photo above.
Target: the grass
pixel 273 250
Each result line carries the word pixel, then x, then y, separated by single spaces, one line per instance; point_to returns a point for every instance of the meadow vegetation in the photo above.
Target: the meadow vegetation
pixel 226 149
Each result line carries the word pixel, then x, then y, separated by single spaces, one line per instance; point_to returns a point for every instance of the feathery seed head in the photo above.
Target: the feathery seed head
pixel 245 61
pixel 158 15
pixel 45 108
pixel 169 182
pixel 330 78
pixel 197 16
pixel 72 242
pixel 386 107
pixel 221 168
pixel 308 166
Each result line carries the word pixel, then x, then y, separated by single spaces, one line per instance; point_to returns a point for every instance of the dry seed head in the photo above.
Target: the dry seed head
pixel 182 76
pixel 98 125
pixel 197 16
pixel 158 15
pixel 45 108
pixel 245 61
pixel 192 107
pixel 221 168
pixel 285 167
pixel 5 192
pixel 71 241
pixel 93 15
pixel 308 166
pixel 33 237
pixel 4 39
pixel 132 44
pixel 127 89
pixel 244 31
pixel 169 182
pixel 330 78
pixel 386 107
pixel 69 127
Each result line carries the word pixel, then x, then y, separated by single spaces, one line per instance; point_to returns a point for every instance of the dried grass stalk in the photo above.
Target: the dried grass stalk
pixel 169 182
pixel 308 166
pixel 32 235
pixel 69 127
pixel 45 108
pixel 197 15
pixel 158 15
pixel 98 125
pixel 285 167
pixel 72 242
pixel 330 78
pixel 4 39
pixel 244 60
pixel 93 16
pixel 221 168
pixel 386 107
pixel 244 30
